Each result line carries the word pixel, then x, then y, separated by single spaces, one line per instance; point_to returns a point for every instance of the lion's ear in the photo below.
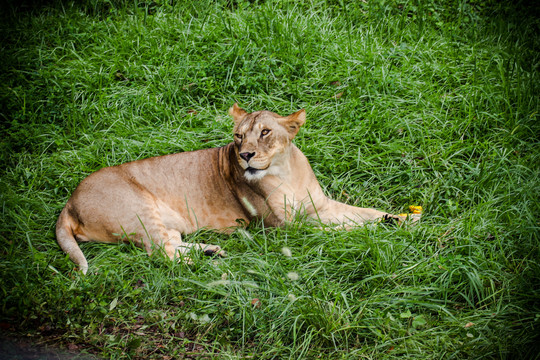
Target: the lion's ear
pixel 237 113
pixel 293 122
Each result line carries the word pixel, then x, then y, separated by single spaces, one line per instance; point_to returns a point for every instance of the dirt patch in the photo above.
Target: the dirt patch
pixel 18 348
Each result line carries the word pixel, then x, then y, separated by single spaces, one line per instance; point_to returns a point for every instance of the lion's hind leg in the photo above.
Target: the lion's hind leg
pixel 175 248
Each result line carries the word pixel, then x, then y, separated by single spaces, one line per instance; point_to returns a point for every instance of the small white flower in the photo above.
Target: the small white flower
pixel 286 251
pixel 291 297
pixel 249 206
pixel 219 282
pixel 292 275
pixel 245 233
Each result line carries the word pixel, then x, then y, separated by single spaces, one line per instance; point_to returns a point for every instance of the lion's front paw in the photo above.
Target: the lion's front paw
pixel 393 219
pixel 400 219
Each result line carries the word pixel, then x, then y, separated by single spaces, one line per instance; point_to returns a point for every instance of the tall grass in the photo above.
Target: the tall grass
pixel 408 102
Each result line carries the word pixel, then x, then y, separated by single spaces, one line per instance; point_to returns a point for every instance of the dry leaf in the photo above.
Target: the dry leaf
pixel 119 76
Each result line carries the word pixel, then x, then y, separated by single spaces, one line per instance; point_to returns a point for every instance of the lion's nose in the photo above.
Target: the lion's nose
pixel 247 155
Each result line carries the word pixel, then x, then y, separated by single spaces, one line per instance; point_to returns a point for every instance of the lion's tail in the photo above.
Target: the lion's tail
pixel 66 240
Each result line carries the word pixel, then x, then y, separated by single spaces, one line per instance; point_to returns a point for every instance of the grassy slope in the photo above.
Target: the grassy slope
pixel 435 106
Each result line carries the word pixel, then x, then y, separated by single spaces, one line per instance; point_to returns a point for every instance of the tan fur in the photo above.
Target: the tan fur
pixel 153 201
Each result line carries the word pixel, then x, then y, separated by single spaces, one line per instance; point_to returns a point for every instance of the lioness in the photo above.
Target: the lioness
pixel 262 174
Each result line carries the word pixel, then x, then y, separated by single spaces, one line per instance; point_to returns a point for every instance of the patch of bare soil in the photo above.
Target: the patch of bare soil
pixel 20 348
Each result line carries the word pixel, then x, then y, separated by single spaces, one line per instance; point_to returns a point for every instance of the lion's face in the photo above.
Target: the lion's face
pixel 262 140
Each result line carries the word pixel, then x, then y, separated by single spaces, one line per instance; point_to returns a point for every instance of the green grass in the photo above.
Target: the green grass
pixel 408 102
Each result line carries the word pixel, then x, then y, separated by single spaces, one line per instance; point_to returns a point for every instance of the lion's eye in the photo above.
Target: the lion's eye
pixel 238 136
pixel 265 132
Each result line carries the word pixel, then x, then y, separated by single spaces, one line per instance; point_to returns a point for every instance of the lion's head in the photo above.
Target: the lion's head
pixel 262 140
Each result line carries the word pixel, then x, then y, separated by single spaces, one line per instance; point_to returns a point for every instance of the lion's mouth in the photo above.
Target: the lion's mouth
pixel 252 171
